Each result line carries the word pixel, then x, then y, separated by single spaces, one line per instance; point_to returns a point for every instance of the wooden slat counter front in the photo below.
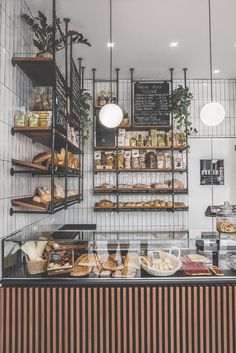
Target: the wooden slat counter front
pixel 148 318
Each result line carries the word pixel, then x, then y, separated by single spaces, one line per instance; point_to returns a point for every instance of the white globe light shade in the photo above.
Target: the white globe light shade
pixel 111 115
pixel 212 114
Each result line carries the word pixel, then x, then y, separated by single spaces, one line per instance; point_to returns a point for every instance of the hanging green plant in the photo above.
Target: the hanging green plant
pixel 180 102
pixel 85 116
pixel 43 32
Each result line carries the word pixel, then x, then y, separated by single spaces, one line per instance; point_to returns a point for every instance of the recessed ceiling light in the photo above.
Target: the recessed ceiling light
pixel 216 71
pixel 110 45
pixel 174 44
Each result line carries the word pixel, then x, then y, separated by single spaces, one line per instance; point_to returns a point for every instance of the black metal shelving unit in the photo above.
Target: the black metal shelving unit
pixel 116 190
pixel 66 90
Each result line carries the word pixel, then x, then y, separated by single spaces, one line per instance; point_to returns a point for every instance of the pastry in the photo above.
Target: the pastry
pixel 88 260
pixel 179 204
pixel 37 199
pixel 125 186
pixel 42 157
pixel 105 204
pixel 177 184
pixel 80 271
pixel 131 261
pixel 59 192
pixel 71 193
pixel 111 265
pixel 125 272
pixel 101 273
pixel 197 258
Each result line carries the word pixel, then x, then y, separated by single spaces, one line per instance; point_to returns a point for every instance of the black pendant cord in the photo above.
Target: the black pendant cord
pixel 210 49
pixel 111 44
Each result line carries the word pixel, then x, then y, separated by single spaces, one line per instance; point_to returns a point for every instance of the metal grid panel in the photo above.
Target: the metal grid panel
pixel 225 93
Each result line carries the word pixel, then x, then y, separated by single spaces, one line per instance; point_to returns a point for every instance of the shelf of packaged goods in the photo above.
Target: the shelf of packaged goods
pixel 44 136
pixel 38 69
pixel 142 209
pixel 140 191
pixel 140 171
pixel 113 148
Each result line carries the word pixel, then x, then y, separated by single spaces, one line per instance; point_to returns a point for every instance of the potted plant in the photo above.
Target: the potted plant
pixel 44 36
pixel 85 117
pixel 180 102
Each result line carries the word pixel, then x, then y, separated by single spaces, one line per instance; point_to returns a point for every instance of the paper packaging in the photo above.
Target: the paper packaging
pixel 121 137
pixel 154 137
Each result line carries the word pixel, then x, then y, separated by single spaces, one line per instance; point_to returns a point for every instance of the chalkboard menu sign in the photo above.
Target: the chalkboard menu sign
pixel 151 101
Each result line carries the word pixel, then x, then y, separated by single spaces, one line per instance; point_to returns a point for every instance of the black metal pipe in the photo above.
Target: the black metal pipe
pixel 117 85
pixel 94 121
pixel 82 77
pixel 132 94
pixel 54 99
pixel 66 20
pixel 68 96
pixel 172 137
pixel 80 72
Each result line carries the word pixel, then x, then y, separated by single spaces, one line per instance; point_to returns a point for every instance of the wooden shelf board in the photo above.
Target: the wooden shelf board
pixel 38 69
pixel 140 170
pixel 43 136
pixel 28 202
pixel 29 165
pixel 97 148
pixel 163 209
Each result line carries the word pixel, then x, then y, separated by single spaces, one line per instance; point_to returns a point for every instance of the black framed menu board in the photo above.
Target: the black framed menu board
pixel 151 103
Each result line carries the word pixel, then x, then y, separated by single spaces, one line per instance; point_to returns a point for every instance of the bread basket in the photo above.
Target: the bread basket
pixel 36 267
pixel 161 273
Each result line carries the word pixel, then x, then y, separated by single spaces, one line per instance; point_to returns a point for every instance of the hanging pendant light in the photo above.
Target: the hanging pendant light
pixel 111 114
pixel 213 113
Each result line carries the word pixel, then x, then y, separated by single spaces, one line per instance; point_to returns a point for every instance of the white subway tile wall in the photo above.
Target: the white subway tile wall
pixel 15 91
pixel 225 92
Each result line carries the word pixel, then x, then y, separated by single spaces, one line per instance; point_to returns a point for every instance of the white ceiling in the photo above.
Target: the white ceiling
pixel 143 29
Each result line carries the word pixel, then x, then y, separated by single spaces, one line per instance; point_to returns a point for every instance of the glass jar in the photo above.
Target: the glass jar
pixel 33 120
pixel 21 118
pixel 226 219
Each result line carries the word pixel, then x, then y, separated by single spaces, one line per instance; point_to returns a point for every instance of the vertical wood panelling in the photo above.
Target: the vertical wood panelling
pixel 118 320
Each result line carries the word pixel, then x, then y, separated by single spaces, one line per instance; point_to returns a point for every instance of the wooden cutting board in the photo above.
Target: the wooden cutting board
pixel 28 202
pixel 29 164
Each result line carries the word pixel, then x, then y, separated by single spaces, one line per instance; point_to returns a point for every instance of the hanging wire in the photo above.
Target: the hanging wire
pixel 210 49
pixel 111 47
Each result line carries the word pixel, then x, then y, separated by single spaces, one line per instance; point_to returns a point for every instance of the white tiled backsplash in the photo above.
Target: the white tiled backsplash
pixel 15 90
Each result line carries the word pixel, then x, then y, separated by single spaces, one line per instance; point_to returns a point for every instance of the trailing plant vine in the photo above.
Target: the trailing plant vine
pixel 85 116
pixel 44 34
pixel 180 102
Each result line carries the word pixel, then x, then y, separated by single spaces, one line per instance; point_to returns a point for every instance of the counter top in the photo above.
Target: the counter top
pixel 179 279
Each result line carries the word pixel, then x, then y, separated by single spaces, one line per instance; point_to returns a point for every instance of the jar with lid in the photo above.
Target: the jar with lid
pixel 226 219
pixel 21 118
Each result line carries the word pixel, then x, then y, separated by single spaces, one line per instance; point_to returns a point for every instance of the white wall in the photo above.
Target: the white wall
pixel 201 196
pixel 15 90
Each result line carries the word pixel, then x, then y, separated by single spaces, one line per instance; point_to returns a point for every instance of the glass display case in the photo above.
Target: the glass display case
pixel 54 253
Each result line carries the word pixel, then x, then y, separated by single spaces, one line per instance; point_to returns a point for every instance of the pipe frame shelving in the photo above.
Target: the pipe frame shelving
pixel 117 191
pixel 66 94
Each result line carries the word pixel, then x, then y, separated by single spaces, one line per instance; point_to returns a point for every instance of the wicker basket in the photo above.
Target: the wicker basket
pixel 36 267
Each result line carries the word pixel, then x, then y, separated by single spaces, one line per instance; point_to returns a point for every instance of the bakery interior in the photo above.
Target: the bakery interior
pixel 117 159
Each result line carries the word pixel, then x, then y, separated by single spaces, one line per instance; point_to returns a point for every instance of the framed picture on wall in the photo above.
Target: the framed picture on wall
pixel 212 172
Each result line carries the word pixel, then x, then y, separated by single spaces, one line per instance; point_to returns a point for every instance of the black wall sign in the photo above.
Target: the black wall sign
pixel 151 101
pixel 212 171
